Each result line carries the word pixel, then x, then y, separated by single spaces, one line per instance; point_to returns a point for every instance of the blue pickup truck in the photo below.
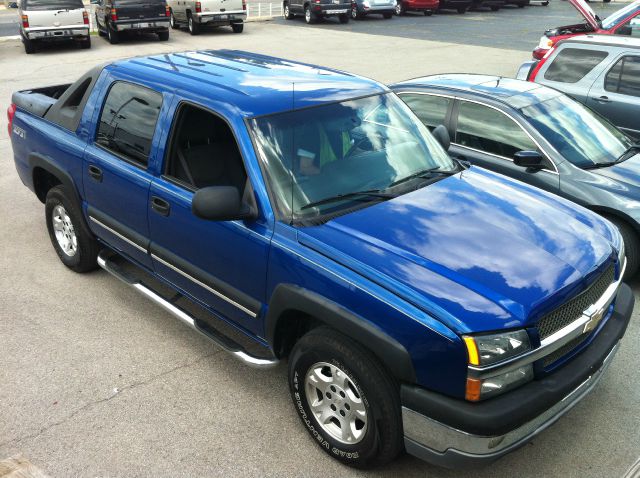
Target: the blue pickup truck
pixel 285 210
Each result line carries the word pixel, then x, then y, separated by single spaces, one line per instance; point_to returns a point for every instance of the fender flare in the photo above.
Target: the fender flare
pixel 38 161
pixel 289 297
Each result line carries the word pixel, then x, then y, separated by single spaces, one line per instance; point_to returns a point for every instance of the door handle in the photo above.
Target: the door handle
pixel 603 99
pixel 160 206
pixel 95 172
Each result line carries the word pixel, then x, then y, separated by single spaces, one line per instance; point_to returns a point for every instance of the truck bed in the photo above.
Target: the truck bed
pixel 38 101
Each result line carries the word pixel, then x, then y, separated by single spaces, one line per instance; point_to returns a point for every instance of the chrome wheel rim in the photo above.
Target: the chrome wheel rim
pixel 64 231
pixel 336 403
pixel 354 13
pixel 307 15
pixel 172 20
pixel 398 9
pixel 286 11
pixel 190 24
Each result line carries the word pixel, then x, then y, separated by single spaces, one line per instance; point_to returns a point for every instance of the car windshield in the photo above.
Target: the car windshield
pixel 616 17
pixel 346 153
pixel 579 135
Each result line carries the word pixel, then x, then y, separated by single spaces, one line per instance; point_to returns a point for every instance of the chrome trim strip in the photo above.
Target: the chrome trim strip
pixel 441 438
pixel 205 286
pixel 555 341
pixel 186 319
pixel 117 234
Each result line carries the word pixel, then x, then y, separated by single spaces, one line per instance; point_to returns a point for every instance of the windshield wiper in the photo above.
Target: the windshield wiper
pixel 623 157
pixel 424 174
pixel 371 193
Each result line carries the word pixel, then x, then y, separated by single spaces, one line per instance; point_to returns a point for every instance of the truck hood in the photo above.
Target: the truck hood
pixel 477 250
pixel 587 12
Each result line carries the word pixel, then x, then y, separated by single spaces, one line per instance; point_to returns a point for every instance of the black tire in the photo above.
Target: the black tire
pixel 428 13
pixel 462 10
pixel 544 4
pixel 163 36
pixel 309 16
pixel 194 27
pixel 369 383
pixel 85 257
pixel 355 15
pixel 86 43
pixel 29 46
pixel 112 35
pixel 400 9
pixel 344 18
pixel 237 27
pixel 387 15
pixel 172 22
pixel 606 1
pixel 100 30
pixel 495 8
pixel 287 11
pixel 631 246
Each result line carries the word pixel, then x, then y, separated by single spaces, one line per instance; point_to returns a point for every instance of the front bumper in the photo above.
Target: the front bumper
pixel 142 25
pixel 221 17
pixel 454 433
pixel 53 34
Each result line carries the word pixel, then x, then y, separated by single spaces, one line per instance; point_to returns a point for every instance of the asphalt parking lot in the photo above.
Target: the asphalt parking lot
pixel 97 381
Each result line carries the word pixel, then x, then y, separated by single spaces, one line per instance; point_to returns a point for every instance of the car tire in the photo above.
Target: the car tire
pixel 163 36
pixel 544 4
pixel 400 9
pixel 309 16
pixel 100 30
pixel 428 13
pixel 631 246
pixel 194 28
pixel 344 18
pixel 387 15
pixel 364 424
pixel 287 12
pixel 462 10
pixel 29 46
pixel 237 27
pixel 112 35
pixel 494 8
pixel 86 43
pixel 73 242
pixel 172 21
pixel 355 15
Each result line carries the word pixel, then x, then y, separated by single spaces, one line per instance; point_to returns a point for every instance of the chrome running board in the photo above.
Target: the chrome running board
pixel 227 344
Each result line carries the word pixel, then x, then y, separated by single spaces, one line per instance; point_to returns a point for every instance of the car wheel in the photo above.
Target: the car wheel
pixel 163 36
pixel 400 10
pixel 462 10
pixel 345 398
pixel 100 31
pixel 29 46
pixel 172 21
pixel 494 8
pixel 112 35
pixel 287 12
pixel 344 18
pixel 309 16
pixel 631 246
pixel 544 4
pixel 354 12
pixel 75 245
pixel 86 43
pixel 194 28
pixel 428 13
pixel 237 27
pixel 388 15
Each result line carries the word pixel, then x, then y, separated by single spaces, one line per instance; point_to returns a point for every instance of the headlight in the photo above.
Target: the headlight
pixel 484 350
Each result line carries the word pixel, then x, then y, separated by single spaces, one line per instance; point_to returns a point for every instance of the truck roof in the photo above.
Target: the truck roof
pixel 256 84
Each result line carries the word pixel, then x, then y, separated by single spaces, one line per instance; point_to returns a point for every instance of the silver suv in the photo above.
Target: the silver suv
pixel 600 71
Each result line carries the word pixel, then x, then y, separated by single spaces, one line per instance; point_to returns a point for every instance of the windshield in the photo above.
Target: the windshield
pixel 52 4
pixel 579 135
pixel 365 144
pixel 616 17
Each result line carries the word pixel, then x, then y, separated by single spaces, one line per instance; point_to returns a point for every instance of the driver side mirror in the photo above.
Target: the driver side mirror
pixel 220 203
pixel 441 133
pixel 529 160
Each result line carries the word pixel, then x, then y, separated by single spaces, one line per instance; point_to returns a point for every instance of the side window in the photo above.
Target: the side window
pixel 630 27
pixel 431 110
pixel 128 121
pixel 572 64
pixel 203 151
pixel 624 77
pixel 490 131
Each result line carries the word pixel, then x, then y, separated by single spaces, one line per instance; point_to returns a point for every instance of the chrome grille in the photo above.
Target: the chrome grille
pixel 572 310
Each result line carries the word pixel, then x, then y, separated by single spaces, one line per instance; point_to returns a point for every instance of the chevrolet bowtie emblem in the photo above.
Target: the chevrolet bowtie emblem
pixel 594 320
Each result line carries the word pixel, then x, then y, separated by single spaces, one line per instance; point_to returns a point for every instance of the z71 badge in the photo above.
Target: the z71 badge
pixel 19 132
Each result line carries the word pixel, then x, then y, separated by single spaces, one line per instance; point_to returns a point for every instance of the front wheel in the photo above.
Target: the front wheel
pixel 71 239
pixel 309 16
pixel 194 28
pixel 237 27
pixel 345 398
pixel 400 9
pixel 172 21
pixel 100 31
pixel 631 247
pixel 287 12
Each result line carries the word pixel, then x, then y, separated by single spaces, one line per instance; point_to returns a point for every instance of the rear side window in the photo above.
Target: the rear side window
pixel 490 131
pixel 128 121
pixel 431 110
pixel 572 64
pixel 51 4
pixel 624 77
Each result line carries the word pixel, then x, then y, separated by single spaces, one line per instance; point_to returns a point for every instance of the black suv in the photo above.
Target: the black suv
pixel 117 17
pixel 313 10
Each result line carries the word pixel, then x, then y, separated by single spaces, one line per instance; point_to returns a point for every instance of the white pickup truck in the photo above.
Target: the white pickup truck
pixel 48 21
pixel 214 13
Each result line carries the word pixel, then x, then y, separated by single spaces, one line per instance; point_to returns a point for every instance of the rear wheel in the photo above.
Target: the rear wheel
pixel 428 13
pixel 237 27
pixel 112 35
pixel 194 28
pixel 287 12
pixel 163 36
pixel 72 241
pixel 29 46
pixel 172 21
pixel 631 246
pixel 345 398
pixel 100 31
pixel 309 16
pixel 400 9
pixel 86 43
pixel 344 18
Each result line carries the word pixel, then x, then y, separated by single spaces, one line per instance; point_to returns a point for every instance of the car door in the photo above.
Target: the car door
pixel 489 137
pixel 223 264
pixel 115 176
pixel 616 94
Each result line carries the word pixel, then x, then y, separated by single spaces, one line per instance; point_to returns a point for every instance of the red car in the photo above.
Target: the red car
pixel 625 21
pixel 428 7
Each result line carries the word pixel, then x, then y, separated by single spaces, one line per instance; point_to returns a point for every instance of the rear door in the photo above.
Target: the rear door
pixel 140 9
pixel 489 137
pixel 116 180
pixel 616 94
pixel 43 13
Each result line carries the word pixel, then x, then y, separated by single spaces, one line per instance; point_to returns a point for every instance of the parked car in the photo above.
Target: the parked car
pixel 602 72
pixel 116 18
pixel 362 8
pixel 461 6
pixel 246 191
pixel 428 7
pixel 539 136
pixel 208 13
pixel 53 21
pixel 625 21
pixel 317 10
pixel 493 5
